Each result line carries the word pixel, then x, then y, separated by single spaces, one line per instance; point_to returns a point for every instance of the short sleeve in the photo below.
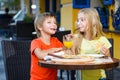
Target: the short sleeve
pixel 106 42
pixel 34 45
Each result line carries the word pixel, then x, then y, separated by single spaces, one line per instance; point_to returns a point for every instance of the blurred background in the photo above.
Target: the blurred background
pixel 18 25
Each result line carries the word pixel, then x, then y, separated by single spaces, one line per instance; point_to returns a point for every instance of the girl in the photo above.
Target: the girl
pixel 45 26
pixel 90 40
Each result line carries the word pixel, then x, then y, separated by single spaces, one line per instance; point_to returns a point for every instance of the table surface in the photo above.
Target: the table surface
pixel 79 66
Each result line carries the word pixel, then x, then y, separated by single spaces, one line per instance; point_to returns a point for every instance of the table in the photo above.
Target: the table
pixel 79 66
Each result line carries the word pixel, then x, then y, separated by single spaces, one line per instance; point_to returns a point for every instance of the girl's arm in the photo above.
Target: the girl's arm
pixel 42 53
pixel 105 48
pixel 76 44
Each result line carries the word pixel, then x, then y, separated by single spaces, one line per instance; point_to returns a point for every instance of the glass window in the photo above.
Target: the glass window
pixel 14 5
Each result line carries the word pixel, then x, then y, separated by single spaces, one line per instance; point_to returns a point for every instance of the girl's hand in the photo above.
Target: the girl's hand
pixel 104 50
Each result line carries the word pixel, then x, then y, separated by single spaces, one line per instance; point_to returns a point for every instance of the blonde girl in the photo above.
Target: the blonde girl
pixel 90 39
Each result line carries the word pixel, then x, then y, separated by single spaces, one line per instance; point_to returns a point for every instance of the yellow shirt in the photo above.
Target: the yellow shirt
pixel 93 47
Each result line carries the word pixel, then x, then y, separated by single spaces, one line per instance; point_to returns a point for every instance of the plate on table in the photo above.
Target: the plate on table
pixel 74 59
pixel 95 55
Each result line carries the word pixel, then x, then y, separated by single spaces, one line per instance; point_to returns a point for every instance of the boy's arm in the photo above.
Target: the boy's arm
pixel 42 53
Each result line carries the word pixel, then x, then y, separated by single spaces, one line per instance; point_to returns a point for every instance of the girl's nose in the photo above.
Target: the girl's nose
pixel 78 22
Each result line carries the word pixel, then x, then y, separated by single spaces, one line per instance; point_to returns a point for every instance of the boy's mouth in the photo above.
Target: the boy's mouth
pixel 53 29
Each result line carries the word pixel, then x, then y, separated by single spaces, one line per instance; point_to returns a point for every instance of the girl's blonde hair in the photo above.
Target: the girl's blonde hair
pixel 38 22
pixel 94 20
pixel 95 28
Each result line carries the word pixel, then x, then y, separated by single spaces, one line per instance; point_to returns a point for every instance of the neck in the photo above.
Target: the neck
pixel 88 36
pixel 45 38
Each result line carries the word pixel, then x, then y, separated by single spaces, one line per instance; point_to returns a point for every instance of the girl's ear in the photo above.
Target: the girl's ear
pixel 95 21
pixel 94 31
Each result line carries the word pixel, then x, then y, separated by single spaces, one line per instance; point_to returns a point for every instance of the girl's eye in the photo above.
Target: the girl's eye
pixel 78 20
pixel 82 19
pixel 55 23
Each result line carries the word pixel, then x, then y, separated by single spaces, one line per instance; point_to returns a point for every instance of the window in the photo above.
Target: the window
pixel 14 6
pixel 81 3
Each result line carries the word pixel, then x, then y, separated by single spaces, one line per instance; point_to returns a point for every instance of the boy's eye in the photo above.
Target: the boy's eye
pixel 48 22
pixel 51 22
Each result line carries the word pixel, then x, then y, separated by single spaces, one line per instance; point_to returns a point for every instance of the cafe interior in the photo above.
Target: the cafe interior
pixel 17 33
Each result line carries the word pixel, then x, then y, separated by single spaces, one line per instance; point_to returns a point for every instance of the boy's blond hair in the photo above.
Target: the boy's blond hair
pixel 38 22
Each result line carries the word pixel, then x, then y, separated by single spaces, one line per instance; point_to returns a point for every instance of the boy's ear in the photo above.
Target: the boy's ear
pixel 40 28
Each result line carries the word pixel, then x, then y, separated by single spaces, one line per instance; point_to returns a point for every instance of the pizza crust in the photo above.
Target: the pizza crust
pixel 74 59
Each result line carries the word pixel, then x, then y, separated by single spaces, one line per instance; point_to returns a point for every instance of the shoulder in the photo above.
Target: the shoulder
pixel 56 41
pixel 54 38
pixel 106 41
pixel 103 38
pixel 37 40
pixel 35 44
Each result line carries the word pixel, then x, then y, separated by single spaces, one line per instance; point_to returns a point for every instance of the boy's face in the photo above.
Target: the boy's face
pixel 82 22
pixel 49 25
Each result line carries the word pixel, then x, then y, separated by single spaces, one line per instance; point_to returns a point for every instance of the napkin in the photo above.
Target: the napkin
pixel 102 60
pixel 48 58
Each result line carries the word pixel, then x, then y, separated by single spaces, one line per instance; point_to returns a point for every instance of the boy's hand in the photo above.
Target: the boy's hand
pixel 53 50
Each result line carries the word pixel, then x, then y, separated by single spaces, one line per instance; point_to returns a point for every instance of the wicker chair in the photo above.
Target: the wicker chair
pixel 110 72
pixel 23 31
pixel 17 58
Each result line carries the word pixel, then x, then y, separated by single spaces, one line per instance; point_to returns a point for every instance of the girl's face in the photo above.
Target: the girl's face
pixel 82 22
pixel 49 26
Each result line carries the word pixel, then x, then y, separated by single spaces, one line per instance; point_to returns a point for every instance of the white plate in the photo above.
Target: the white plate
pixel 95 55
pixel 73 60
